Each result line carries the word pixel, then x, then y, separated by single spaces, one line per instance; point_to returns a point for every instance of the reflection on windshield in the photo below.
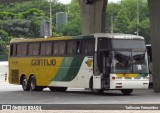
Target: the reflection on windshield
pixel 129 62
pixel 122 61
pixel 139 63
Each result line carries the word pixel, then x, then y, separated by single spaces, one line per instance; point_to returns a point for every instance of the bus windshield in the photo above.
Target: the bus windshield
pixel 129 62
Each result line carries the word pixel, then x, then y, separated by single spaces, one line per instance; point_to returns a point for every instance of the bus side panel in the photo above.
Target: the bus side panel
pixel 79 73
pixel 44 69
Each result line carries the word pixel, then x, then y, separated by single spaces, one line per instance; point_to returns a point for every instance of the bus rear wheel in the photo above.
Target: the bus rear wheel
pixel 25 84
pixel 59 89
pixel 33 86
pixel 127 91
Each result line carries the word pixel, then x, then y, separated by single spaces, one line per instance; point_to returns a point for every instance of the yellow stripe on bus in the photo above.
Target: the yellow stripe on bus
pixel 127 75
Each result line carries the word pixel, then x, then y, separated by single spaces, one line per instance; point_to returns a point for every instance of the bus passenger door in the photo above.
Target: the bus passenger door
pixel 97 72
pixel 106 69
pixel 102 69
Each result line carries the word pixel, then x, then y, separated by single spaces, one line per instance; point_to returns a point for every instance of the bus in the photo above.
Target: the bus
pixel 99 62
pixel 149 52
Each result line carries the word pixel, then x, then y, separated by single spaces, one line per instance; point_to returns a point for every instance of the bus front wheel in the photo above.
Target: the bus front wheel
pixel 127 91
pixel 33 86
pixel 25 84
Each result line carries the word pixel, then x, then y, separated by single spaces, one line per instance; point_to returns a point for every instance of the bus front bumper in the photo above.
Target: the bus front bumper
pixel 129 84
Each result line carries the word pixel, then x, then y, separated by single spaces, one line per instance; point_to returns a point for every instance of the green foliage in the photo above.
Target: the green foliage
pixel 125 18
pixel 6 15
pixel 74 20
pixel 23 19
pixel 4 36
pixel 2 47
pixel 4 39
pixel 29 14
pixel 16 27
pixel 122 22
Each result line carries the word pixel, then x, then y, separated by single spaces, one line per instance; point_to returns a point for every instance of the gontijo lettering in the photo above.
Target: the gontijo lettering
pixel 43 62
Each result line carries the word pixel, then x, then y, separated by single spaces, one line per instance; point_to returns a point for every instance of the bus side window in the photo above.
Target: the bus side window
pixel 88 46
pixel 24 49
pixel 71 47
pixel 46 48
pixel 33 49
pixel 12 50
pixel 19 50
pixel 43 48
pixel 55 48
pixel 78 49
pixel 36 49
pixel 30 50
pixel 62 48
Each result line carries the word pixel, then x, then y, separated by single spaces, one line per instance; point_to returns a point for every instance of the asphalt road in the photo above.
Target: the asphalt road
pixel 13 94
pixel 73 98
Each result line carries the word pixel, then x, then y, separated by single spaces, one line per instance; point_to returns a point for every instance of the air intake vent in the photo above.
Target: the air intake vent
pixel 15 76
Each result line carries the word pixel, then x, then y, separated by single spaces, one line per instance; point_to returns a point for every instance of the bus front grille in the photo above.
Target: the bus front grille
pixel 15 76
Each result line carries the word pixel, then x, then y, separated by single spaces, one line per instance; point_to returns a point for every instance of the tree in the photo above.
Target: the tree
pixel 111 13
pixel 16 27
pixel 4 36
pixel 125 17
pixel 73 26
pixel 122 22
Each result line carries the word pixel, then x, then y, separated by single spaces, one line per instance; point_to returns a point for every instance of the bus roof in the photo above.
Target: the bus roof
pixel 104 35
pixel 118 36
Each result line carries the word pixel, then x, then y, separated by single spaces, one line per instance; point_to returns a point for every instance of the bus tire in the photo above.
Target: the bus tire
pixel 33 85
pixel 25 84
pixel 95 91
pixel 127 91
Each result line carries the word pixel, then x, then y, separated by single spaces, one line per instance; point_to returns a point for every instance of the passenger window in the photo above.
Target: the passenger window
pixel 88 47
pixel 59 48
pixel 36 49
pixel 71 47
pixel 55 48
pixel 43 48
pixel 46 48
pixel 33 49
pixel 19 50
pixel 62 48
pixel 12 51
pixel 24 49
pixel 30 51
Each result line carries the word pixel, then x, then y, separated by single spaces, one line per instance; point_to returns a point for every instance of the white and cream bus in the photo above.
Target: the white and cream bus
pixel 99 61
